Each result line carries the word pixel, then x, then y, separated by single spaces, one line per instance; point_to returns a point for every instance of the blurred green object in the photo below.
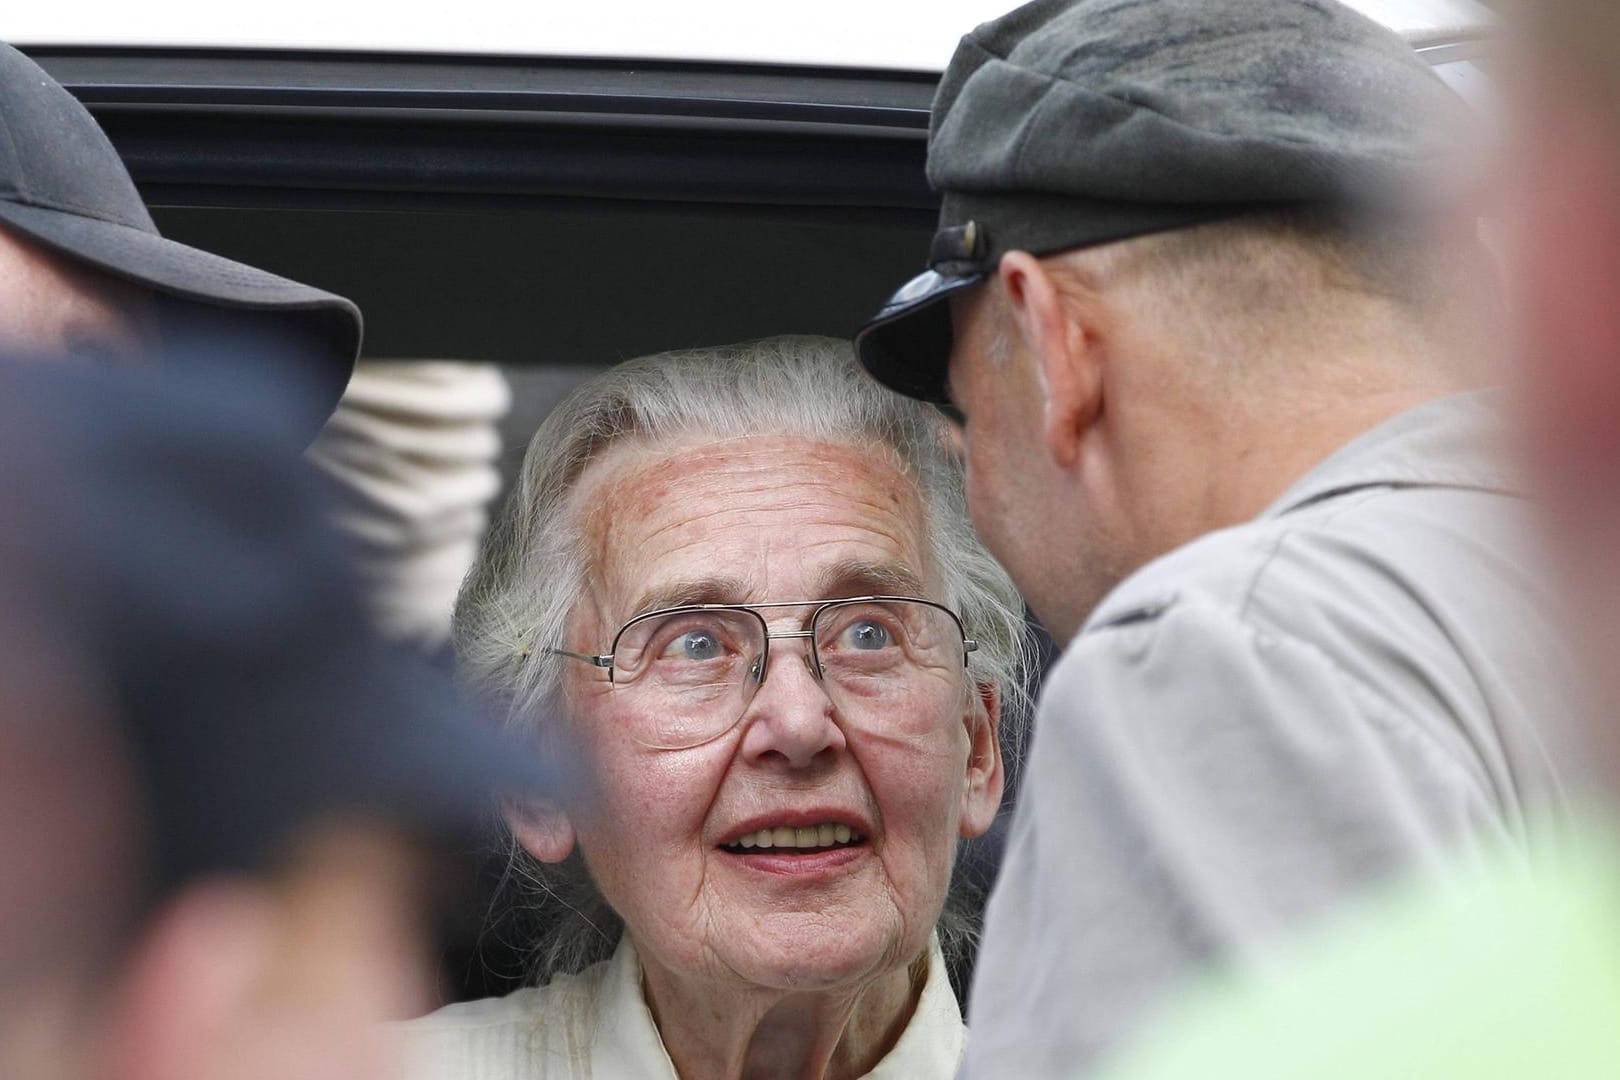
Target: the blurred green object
pixel 1508 973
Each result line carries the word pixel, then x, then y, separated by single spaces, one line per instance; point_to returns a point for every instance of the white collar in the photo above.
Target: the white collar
pixel 626 1041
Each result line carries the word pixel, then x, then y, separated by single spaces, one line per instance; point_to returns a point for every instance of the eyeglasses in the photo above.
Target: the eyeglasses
pixel 696 668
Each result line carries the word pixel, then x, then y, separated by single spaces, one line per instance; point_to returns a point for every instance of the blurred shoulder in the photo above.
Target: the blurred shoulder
pixel 1497 972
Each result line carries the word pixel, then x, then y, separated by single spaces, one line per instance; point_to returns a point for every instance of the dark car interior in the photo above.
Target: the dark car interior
pixel 520 211
pixel 512 211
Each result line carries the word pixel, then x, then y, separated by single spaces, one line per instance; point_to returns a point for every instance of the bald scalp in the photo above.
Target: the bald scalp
pixel 1267 295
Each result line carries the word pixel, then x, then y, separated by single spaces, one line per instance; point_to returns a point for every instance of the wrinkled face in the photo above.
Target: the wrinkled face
pixel 754 520
pixel 50 306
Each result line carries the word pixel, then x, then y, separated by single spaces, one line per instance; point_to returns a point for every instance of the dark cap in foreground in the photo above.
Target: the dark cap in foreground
pixel 166 533
pixel 63 185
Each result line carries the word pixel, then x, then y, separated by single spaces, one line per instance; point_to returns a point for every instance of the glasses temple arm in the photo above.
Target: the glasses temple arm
pixel 605 661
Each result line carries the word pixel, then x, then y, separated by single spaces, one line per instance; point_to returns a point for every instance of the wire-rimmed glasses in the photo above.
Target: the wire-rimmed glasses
pixel 695 668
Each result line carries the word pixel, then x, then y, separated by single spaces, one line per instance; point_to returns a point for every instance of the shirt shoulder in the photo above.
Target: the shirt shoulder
pixel 1419 610
pixel 518 1007
pixel 1408 538
pixel 1428 598
pixel 537 1033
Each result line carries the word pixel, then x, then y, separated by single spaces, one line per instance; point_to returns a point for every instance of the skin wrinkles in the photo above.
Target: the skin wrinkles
pixel 739 498
pixel 750 973
pixel 844 580
pixel 750 480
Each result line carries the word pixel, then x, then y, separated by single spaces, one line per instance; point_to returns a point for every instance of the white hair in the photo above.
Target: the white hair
pixel 520 593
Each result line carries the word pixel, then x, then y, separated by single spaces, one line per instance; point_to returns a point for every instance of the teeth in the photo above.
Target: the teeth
pixel 812 836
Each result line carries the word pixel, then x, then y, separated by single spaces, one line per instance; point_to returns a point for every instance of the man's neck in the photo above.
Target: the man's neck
pixel 1225 467
pixel 1251 468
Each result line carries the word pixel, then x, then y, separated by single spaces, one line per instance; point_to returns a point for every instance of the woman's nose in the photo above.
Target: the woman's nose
pixel 791 718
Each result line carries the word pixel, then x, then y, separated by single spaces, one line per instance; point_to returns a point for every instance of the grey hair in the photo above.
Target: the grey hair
pixel 518 597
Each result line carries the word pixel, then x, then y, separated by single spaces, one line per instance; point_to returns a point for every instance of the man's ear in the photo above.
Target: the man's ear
pixel 541 826
pixel 981 798
pixel 1056 333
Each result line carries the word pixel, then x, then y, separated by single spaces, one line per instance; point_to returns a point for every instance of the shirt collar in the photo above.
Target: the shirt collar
pixel 626 1041
pixel 1455 441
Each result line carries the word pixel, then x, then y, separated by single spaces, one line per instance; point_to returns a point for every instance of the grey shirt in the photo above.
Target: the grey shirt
pixel 1266 722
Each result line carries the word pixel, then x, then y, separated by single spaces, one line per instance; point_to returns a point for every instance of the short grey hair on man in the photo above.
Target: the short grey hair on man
pixel 1289 285
pixel 531 572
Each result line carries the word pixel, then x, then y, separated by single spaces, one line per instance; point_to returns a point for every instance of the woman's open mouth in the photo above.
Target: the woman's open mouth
pixel 787 840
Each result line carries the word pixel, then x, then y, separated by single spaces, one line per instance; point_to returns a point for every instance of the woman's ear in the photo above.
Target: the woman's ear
pixel 1057 331
pixel 541 826
pixel 981 798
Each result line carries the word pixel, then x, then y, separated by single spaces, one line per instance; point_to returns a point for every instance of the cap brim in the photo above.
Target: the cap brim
pixel 187 273
pixel 906 346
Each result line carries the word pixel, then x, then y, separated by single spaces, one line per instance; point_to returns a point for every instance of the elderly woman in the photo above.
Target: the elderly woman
pixel 736 592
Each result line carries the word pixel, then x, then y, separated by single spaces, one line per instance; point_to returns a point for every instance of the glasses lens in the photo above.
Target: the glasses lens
pixel 879 654
pixel 691 671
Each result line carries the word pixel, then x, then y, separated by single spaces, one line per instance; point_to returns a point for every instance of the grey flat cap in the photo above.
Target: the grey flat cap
pixel 1071 123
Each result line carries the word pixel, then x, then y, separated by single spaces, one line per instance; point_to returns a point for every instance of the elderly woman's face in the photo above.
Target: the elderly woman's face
pixel 753 521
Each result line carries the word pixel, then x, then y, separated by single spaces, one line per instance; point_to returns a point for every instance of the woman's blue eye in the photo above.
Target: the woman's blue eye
pixel 695 645
pixel 866 635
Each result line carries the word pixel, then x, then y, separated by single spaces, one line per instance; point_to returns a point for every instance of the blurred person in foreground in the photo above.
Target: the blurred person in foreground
pixel 1564 242
pixel 221 796
pixel 86 277
pixel 735 590
pixel 1218 342
pixel 1505 974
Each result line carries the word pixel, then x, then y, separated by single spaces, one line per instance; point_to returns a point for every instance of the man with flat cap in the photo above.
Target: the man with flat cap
pixel 85 274
pixel 1218 340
